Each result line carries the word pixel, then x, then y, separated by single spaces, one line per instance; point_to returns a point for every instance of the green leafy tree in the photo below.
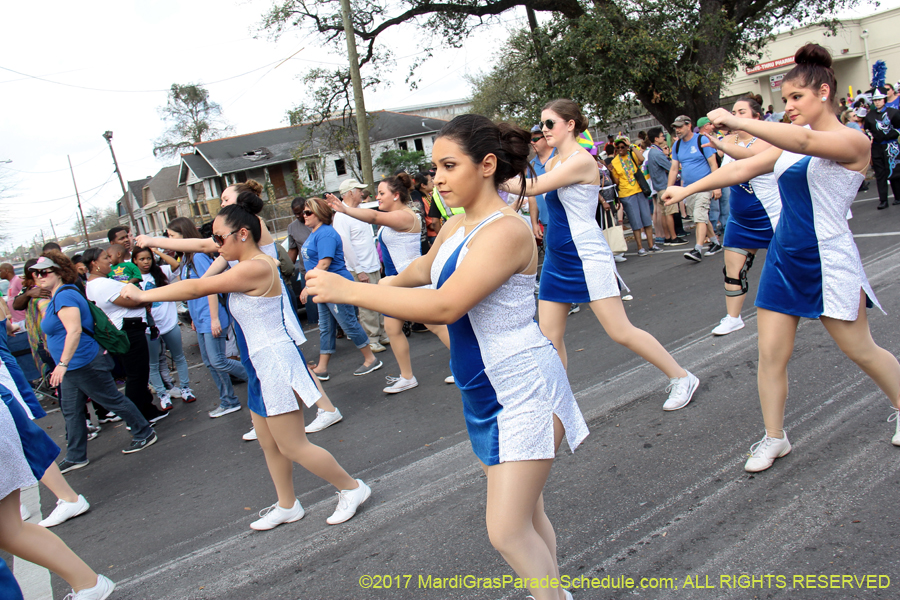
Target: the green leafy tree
pixel 390 161
pixel 609 55
pixel 191 118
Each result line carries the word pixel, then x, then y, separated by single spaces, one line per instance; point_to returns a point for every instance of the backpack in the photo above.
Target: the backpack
pixel 678 144
pixel 106 334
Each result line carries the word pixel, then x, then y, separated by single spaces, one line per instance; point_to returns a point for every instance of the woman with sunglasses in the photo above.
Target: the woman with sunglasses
pixel 479 279
pixel 813 269
pixel 209 317
pixel 258 301
pixel 323 249
pixel 398 237
pixel 83 369
pixel 578 264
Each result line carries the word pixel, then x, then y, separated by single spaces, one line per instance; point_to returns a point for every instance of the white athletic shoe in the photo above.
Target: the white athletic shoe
pixel 449 379
pixel 728 324
pixel 895 416
pixel 23 510
pixel 764 452
pixel 398 384
pixel 65 511
pixel 274 516
pixel 323 420
pixel 348 502
pixel 681 390
pixel 101 591
pixel 250 435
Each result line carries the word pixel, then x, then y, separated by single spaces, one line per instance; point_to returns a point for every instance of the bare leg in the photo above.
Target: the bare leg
pixel 734 262
pixel 777 332
pixel 650 241
pixel 324 402
pixel 552 317
pixel 514 506
pixel 323 363
pixel 669 224
pixel 611 314
pixel 855 340
pixel 368 355
pixel 281 469
pixel 56 483
pixel 289 435
pixel 441 332
pixel 41 546
pixel 700 233
pixel 399 346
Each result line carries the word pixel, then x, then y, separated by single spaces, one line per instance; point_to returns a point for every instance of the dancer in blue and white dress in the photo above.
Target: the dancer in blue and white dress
pixel 259 303
pixel 755 208
pixel 517 401
pixel 400 238
pixel 237 194
pixel 26 451
pixel 812 268
pixel 578 264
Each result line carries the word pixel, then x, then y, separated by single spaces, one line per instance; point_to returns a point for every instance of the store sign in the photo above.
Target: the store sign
pixel 775 81
pixel 772 64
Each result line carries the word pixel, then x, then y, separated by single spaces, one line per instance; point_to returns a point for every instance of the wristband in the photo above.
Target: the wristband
pixel 62 364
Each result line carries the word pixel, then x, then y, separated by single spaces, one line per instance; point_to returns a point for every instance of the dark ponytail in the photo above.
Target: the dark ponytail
pixel 239 216
pixel 813 69
pixel 478 136
pixel 159 278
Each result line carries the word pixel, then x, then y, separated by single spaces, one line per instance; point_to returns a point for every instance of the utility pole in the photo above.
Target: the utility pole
pixel 54 230
pixel 108 135
pixel 362 125
pixel 87 239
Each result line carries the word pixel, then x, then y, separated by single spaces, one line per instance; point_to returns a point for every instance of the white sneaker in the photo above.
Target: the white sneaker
pixel 376 347
pixel 728 324
pixel 681 390
pixel 895 416
pixel 101 591
pixel 398 384
pixel 764 452
pixel 274 516
pixel 324 419
pixel 450 379
pixel 619 258
pixel 348 502
pixel 250 435
pixel 23 510
pixel 65 511
pixel 165 401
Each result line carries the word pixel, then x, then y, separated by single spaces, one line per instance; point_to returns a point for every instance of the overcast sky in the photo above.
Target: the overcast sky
pixel 135 51
pixel 130 53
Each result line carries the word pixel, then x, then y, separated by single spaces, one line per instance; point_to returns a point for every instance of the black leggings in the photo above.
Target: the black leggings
pixel 137 368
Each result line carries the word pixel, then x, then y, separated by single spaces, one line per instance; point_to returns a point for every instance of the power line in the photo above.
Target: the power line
pixel 56 170
pixel 69 196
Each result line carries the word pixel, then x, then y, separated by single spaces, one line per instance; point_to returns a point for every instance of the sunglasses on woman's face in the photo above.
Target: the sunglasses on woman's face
pixel 308 213
pixel 220 239
pixel 548 124
pixel 42 274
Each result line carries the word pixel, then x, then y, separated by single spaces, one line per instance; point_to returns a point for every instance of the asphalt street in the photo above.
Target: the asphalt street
pixel 653 505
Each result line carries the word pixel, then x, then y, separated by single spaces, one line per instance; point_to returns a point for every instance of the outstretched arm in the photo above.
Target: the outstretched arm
pixel 581 168
pixel 400 220
pixel 739 171
pixel 204 245
pixel 250 277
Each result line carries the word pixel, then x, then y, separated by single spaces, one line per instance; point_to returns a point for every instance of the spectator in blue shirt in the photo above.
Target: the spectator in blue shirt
pixel 695 162
pixel 537 210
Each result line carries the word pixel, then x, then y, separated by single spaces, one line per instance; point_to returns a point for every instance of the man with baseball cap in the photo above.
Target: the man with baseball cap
pixel 882 124
pixel 695 162
pixel 361 257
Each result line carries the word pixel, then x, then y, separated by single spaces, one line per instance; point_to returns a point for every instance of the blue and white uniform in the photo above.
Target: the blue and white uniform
pixel 270 339
pixel 755 210
pixel 25 449
pixel 398 248
pixel 511 377
pixel 813 268
pixel 578 264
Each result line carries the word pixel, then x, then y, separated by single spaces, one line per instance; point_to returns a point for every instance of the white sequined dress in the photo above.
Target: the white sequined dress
pixel 511 377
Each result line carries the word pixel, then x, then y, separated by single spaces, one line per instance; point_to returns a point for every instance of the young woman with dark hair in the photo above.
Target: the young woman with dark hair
pixel 812 268
pixel 399 238
pixel 578 264
pixel 755 208
pixel 258 301
pixel 516 399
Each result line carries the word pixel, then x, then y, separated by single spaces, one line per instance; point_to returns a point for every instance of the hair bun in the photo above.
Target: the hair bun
pixel 254 186
pixel 405 179
pixel 249 202
pixel 813 55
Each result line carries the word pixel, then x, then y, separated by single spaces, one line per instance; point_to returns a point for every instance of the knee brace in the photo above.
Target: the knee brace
pixel 742 277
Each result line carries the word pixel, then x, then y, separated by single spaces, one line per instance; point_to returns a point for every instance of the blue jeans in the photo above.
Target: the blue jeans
pixel 95 381
pixel 212 351
pixel 345 315
pixel 725 206
pixel 172 338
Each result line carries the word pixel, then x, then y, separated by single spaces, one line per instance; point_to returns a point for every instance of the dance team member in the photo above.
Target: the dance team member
pixel 812 268
pixel 516 397
pixel 578 264
pixel 258 301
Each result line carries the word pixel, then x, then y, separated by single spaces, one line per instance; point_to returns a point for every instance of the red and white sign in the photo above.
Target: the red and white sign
pixel 772 64
pixel 775 81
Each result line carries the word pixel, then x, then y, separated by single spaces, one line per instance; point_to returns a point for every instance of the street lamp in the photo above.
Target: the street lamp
pixel 108 135
pixel 865 38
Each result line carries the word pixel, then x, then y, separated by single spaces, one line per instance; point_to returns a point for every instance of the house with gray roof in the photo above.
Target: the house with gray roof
pixel 303 156
pixel 157 200
pixel 135 197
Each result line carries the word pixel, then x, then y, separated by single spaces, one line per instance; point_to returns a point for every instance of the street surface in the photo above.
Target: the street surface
pixel 657 498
